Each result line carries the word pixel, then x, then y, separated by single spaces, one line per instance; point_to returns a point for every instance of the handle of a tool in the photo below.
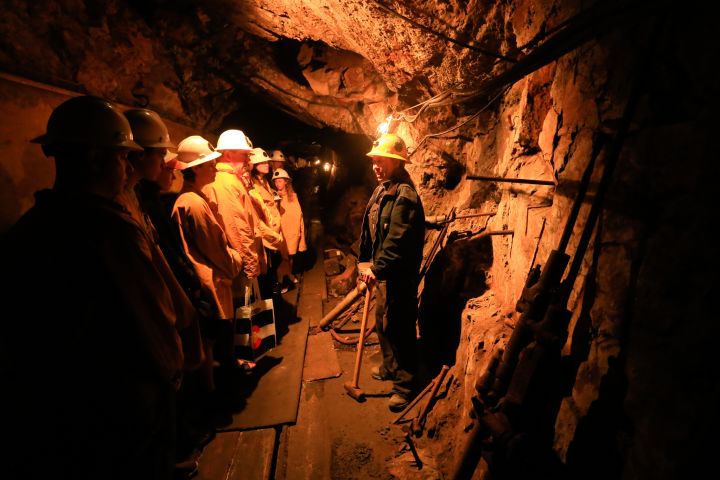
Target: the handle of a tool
pixel 419 422
pixel 414 402
pixel 340 307
pixel 361 337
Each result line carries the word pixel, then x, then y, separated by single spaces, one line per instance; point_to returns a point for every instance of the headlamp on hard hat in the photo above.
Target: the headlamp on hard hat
pixel 388 126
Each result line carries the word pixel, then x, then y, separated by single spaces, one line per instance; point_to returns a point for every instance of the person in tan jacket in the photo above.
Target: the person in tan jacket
pixel 268 220
pixel 151 133
pixel 204 240
pixel 229 195
pixel 292 224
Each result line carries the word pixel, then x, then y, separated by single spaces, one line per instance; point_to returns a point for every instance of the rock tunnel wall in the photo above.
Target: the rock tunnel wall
pixel 637 392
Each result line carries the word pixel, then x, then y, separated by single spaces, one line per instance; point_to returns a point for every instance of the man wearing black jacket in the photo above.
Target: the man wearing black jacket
pixel 391 246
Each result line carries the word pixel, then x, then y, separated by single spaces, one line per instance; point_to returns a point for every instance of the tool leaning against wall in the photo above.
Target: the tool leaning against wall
pixel 512 427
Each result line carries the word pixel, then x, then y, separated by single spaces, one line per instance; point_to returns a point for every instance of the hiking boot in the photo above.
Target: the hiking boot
pixel 377 375
pixel 397 402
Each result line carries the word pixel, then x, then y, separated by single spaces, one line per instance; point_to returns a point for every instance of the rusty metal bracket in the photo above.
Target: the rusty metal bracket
pixel 527 212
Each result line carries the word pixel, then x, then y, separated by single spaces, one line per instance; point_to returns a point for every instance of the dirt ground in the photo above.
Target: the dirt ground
pixel 335 437
pixel 340 438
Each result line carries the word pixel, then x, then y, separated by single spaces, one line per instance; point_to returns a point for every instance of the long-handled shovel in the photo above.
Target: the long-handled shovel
pixel 352 388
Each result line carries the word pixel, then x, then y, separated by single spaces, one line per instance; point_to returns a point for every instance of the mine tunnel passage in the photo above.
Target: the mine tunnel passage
pixel 266 401
pixel 569 306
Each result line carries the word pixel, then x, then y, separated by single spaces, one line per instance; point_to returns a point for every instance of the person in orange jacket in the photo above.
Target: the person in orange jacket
pixel 229 195
pixel 203 238
pixel 292 224
pixel 268 220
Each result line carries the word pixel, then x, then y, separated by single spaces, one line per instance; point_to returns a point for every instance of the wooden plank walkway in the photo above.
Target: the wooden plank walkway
pixel 244 455
pixel 251 454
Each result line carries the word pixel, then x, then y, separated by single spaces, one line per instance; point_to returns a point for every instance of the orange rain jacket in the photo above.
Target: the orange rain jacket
pixel 187 318
pixel 217 263
pixel 229 197
pixel 267 220
pixel 293 225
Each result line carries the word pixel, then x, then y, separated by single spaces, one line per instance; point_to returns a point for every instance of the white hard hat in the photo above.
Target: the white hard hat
pixel 234 140
pixel 281 173
pixel 195 150
pixel 258 155
pixel 277 156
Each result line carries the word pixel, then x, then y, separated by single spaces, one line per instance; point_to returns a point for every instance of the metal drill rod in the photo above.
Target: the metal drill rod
pixel 473 215
pixel 418 423
pixel 460 234
pixel 443 219
pixel 530 181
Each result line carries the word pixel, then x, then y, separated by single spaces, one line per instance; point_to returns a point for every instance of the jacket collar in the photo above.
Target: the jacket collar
pixel 391 185
pixel 226 167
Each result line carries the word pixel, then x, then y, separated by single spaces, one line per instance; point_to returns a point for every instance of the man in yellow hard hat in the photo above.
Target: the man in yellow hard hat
pixel 391 247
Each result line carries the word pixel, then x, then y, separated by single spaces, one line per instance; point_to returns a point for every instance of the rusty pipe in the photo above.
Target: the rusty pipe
pixel 349 341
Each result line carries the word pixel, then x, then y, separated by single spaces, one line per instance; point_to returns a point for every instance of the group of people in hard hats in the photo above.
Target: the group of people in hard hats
pixel 126 301
pixel 123 303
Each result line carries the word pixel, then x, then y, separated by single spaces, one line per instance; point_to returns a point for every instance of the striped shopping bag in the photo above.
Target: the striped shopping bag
pixel 254 325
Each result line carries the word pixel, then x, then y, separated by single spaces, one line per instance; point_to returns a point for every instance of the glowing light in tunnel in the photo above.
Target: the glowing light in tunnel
pixel 384 127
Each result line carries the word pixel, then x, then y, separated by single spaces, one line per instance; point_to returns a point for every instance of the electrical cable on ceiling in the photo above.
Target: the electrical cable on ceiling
pixel 576 31
pixel 423 106
pixel 472 117
pixel 442 35
pixel 428 100
pixel 439 99
pixel 453 96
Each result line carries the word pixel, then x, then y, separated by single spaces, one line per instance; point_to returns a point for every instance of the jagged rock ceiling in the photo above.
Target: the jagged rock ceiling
pixel 340 63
